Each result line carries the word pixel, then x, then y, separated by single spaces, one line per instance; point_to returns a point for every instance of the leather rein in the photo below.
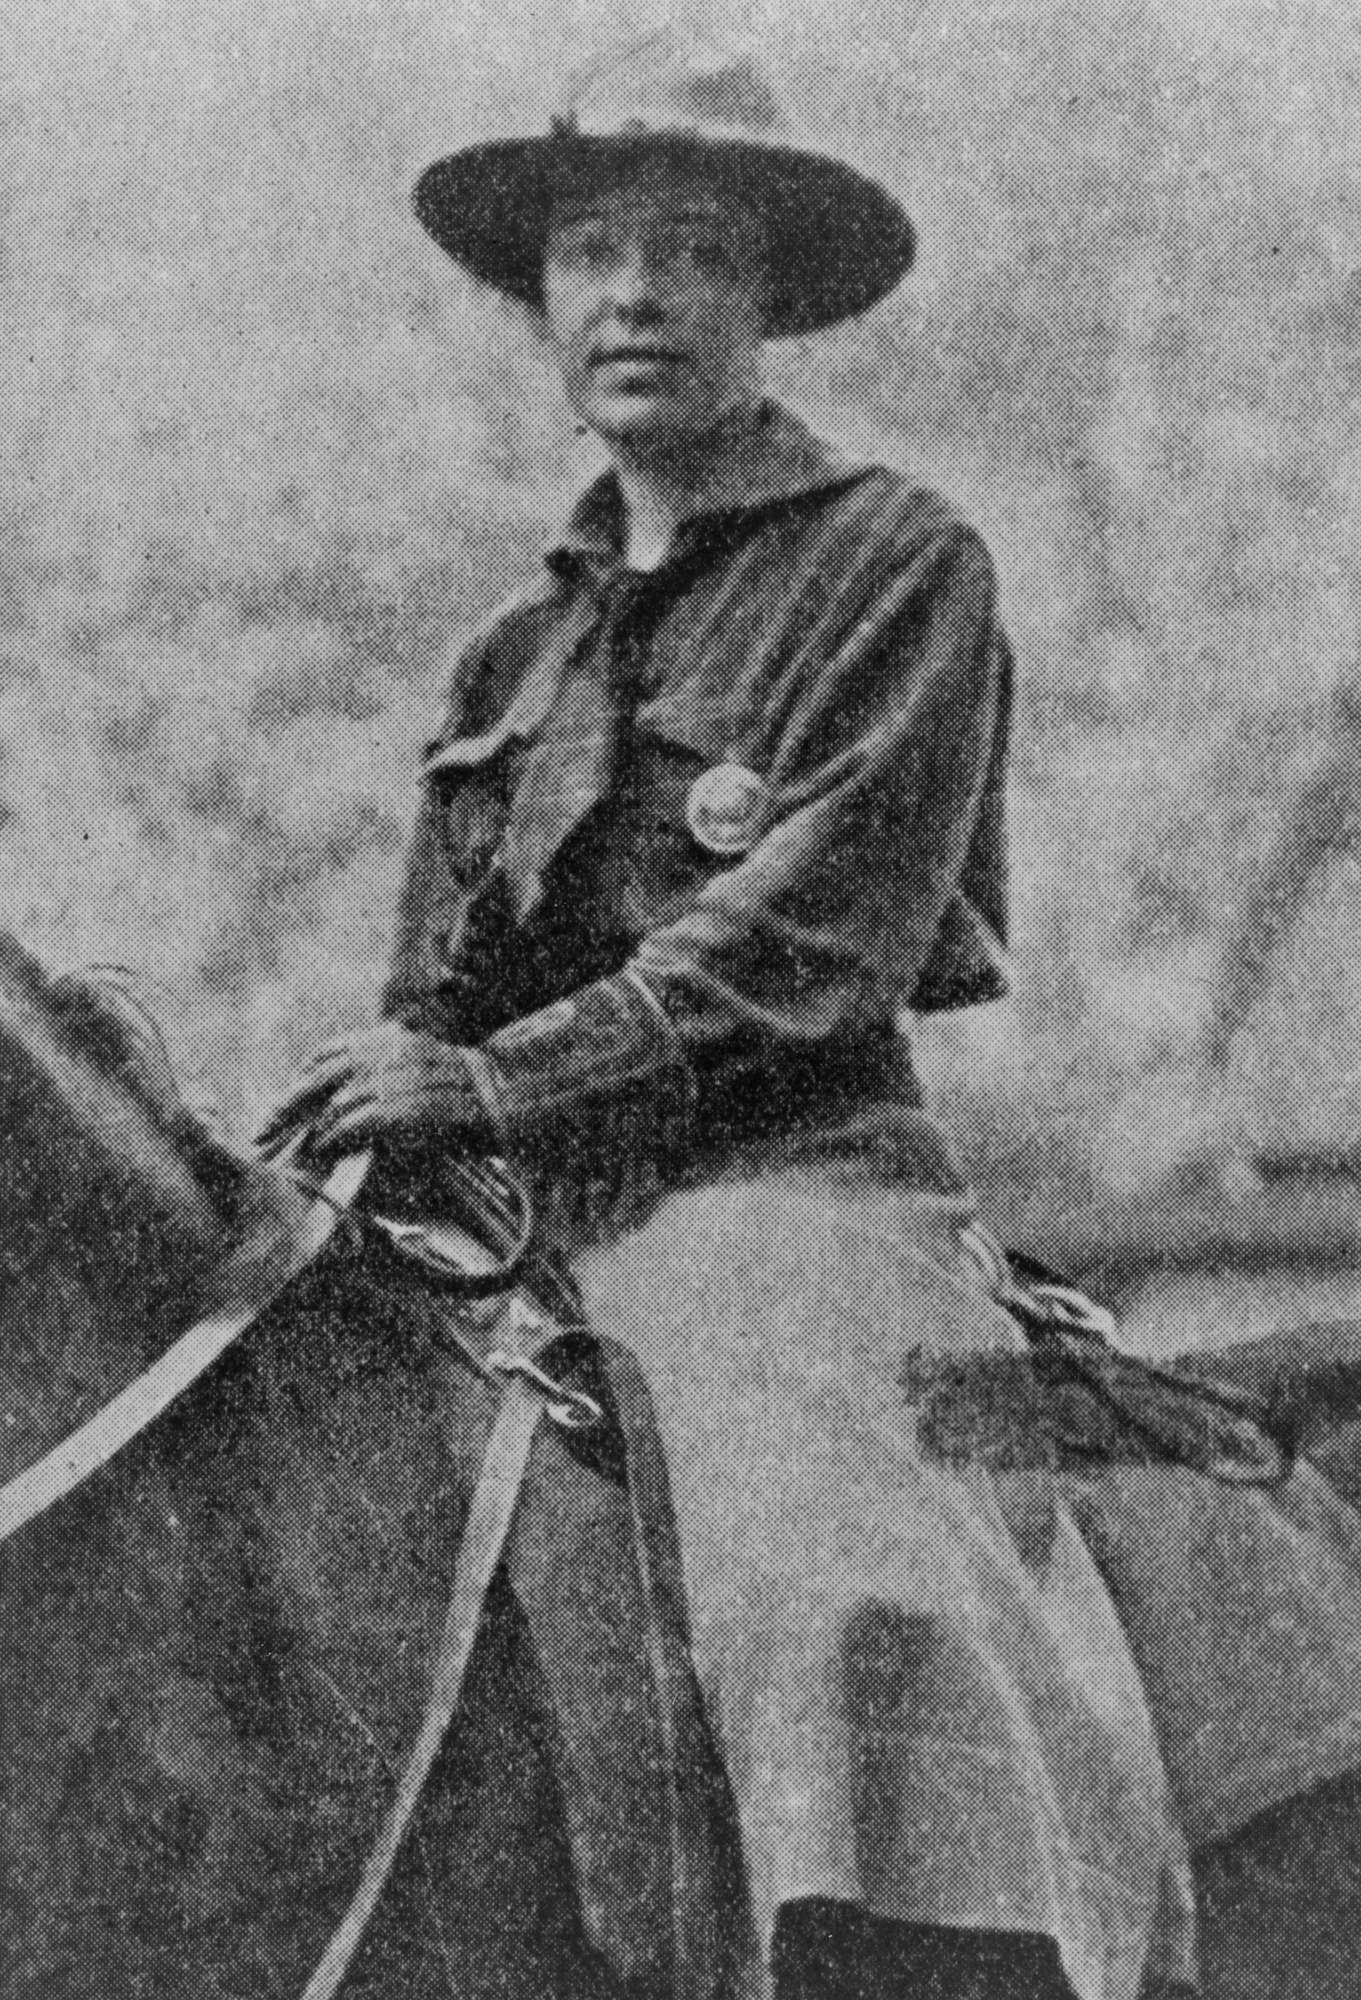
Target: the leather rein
pixel 528 1394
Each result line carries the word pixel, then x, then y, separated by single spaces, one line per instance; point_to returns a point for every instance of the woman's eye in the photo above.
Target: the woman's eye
pixel 709 254
pixel 591 249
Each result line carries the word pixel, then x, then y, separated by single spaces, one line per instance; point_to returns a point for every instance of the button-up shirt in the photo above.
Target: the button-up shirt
pixel 767 776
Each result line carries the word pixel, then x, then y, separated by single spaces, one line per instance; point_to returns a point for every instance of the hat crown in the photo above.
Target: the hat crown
pixel 659 87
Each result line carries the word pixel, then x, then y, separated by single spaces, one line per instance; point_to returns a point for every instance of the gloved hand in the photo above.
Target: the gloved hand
pixel 385 1082
pixel 527 1087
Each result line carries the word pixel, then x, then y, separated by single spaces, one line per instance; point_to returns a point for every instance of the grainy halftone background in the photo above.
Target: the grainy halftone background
pixel 265 454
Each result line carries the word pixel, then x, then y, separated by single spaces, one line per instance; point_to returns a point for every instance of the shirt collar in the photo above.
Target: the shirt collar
pixel 779 460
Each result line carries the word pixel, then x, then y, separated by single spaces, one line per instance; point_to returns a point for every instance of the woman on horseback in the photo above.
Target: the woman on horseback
pixel 714 800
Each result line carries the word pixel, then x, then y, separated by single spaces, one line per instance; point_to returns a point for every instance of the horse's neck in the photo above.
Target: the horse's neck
pixel 107 1231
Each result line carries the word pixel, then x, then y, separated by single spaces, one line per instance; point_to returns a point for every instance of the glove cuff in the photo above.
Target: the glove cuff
pixel 608 1046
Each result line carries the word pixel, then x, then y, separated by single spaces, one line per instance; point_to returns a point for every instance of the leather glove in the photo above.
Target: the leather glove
pixel 549 1073
pixel 385 1083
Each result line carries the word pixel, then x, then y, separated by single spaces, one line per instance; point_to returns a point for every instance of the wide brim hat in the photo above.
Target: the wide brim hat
pixel 836 240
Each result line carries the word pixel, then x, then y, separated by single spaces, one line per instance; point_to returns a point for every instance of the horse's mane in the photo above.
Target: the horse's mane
pixel 101 1060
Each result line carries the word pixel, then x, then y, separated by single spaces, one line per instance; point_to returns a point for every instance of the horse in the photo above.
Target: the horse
pixel 217 1647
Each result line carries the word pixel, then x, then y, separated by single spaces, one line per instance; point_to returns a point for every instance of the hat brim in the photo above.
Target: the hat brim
pixel 837 242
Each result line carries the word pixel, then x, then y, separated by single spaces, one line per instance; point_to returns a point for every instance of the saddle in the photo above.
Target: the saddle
pixel 1079 1398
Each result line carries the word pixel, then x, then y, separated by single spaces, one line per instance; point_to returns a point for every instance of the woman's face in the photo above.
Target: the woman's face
pixel 654 292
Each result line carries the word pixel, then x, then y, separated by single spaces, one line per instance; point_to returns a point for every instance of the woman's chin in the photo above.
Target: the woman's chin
pixel 644 425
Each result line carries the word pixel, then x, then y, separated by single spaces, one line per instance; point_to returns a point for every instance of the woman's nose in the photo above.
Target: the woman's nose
pixel 636 286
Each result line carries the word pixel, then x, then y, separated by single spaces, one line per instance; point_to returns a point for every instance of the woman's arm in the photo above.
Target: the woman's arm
pixel 874 799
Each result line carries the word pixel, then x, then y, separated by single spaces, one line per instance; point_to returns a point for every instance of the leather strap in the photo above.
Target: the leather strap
pixel 1212 1427
pixel 528 1395
pixel 697 1899
pixel 78 1457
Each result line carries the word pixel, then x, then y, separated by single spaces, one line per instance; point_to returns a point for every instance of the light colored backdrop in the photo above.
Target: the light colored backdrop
pixel 264 452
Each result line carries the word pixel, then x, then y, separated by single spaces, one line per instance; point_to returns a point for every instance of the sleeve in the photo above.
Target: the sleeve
pixel 875 788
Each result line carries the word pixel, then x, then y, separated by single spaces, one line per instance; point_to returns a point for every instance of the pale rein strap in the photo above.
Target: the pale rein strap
pixel 528 1395
pixel 82 1454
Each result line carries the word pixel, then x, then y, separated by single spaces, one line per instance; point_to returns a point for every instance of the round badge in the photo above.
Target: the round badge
pixel 725 808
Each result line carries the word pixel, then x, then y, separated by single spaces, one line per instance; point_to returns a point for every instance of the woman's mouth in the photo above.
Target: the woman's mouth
pixel 649 359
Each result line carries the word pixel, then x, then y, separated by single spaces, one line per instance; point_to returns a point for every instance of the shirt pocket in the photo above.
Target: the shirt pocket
pixel 471 784
pixel 462 921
